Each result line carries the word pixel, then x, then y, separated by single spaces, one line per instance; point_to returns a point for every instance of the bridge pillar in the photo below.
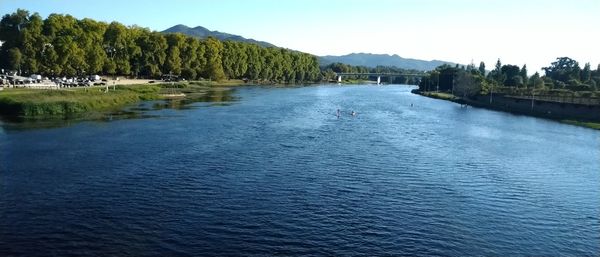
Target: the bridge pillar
pixel 378 80
pixel 339 79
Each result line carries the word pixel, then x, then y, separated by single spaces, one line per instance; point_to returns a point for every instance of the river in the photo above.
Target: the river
pixel 273 171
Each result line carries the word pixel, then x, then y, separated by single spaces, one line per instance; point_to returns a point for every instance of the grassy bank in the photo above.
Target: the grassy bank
pixel 43 104
pixel 38 103
pixel 592 125
pixel 439 95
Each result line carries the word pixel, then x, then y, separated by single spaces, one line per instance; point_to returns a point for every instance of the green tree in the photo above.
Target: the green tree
pixel 15 58
pixel 497 73
pixel 466 85
pixel 242 63
pixel 11 26
pixel 95 56
pixel 517 81
pixel 586 73
pixel 116 45
pixel 482 68
pixel 255 62
pixel 63 34
pixel 510 71
pixel 173 63
pixel 214 64
pixel 31 41
pixel 200 61
pixel 65 46
pixel 189 58
pixel 563 69
pixel 523 73
pixel 535 81
pixel 153 48
pixel 267 71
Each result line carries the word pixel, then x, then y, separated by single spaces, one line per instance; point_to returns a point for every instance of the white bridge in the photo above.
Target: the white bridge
pixel 379 75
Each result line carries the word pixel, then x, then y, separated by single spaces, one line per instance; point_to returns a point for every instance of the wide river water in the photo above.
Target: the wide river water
pixel 273 171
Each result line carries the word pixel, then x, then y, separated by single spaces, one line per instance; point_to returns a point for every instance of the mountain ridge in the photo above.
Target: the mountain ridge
pixel 373 60
pixel 202 32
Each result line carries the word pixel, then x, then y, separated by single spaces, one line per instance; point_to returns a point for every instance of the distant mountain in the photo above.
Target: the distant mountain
pixel 373 60
pixel 202 32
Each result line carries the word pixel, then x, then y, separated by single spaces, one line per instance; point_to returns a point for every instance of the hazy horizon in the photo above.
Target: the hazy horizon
pixel 464 31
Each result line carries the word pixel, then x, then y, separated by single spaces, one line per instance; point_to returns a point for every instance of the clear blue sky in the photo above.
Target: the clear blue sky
pixel 516 31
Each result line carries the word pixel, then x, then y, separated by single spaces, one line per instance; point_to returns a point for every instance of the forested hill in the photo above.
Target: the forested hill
pixel 202 33
pixel 374 60
pixel 62 45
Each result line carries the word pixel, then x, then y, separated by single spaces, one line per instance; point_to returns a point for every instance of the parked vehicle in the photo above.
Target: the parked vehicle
pixel 95 78
pixel 34 78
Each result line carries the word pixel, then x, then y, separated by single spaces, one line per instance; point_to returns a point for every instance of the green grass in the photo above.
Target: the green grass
pixel 592 125
pixel 439 95
pixel 36 103
pixel 39 103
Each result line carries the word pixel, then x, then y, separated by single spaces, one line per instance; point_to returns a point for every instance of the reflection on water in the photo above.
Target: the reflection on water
pixel 214 96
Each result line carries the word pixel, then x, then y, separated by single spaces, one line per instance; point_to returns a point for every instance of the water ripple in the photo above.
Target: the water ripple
pixel 278 174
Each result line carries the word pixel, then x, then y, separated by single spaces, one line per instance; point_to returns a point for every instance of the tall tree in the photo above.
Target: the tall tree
pixel 482 68
pixel 499 76
pixel 31 41
pixel 535 81
pixel 117 45
pixel 510 72
pixel 153 47
pixel 523 74
pixel 10 33
pixel 91 43
pixel 173 64
pixel 241 65
pixel 229 58
pixel 255 62
pixel 15 58
pixel 586 73
pixel 214 64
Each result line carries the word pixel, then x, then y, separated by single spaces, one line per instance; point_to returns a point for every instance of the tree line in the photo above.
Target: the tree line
pixel 62 45
pixel 565 74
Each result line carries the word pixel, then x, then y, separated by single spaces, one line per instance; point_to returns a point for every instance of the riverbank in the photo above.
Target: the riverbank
pixel 66 103
pixel 36 103
pixel 574 114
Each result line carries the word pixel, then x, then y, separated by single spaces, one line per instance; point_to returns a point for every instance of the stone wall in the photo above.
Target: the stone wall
pixel 540 108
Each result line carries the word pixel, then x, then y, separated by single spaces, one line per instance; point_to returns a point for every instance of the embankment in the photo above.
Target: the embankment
pixel 538 108
pixel 574 113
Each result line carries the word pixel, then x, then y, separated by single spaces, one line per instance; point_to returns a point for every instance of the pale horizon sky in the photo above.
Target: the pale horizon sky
pixel 532 32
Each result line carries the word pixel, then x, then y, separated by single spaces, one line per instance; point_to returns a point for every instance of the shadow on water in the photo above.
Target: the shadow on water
pixel 217 96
